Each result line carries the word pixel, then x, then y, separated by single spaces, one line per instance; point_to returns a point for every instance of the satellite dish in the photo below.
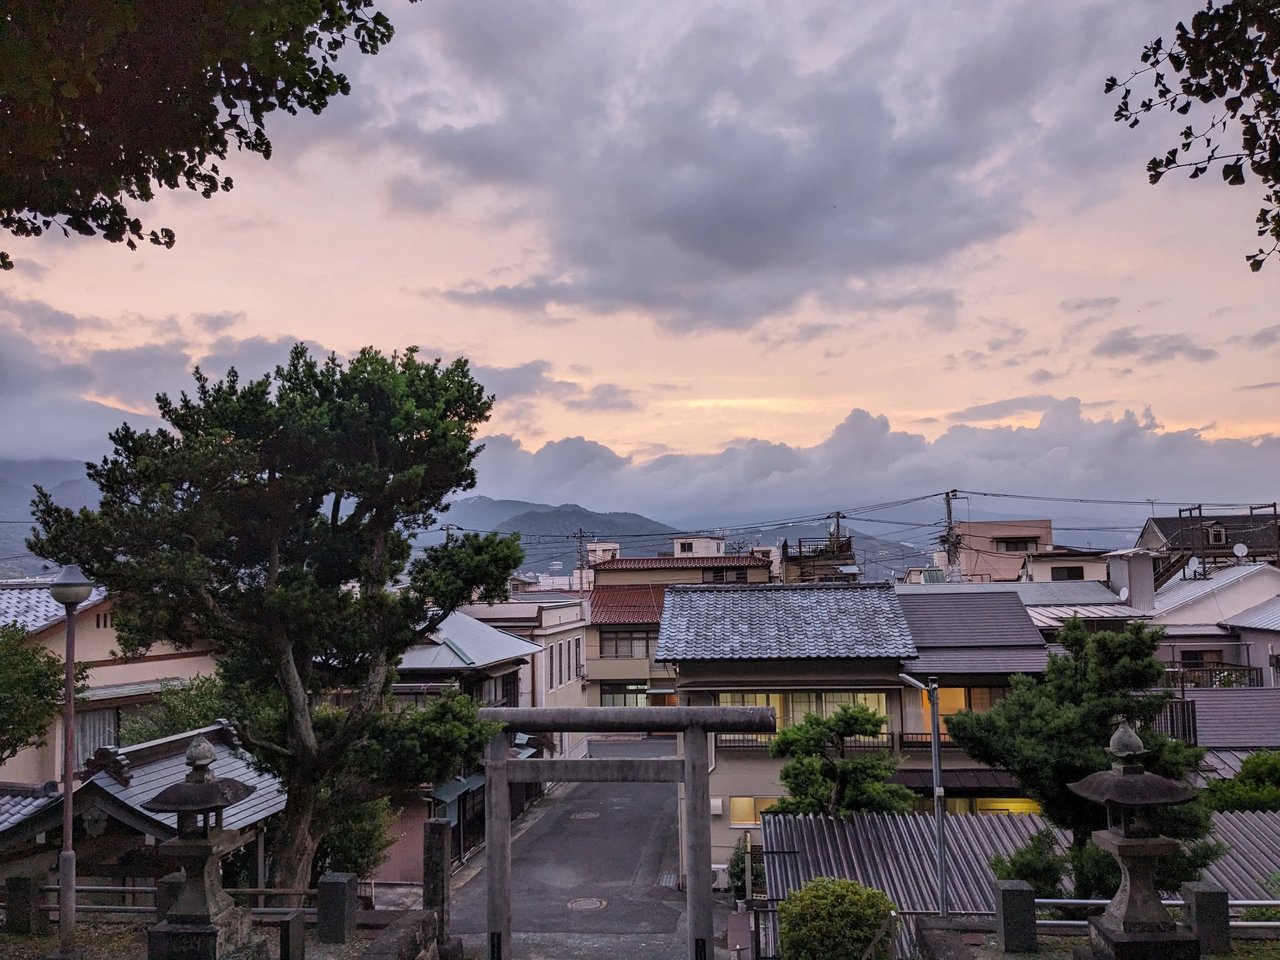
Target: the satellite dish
pixel 1124 594
pixel 1240 550
pixel 1193 564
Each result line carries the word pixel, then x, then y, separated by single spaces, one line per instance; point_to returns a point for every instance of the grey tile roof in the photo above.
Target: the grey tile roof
pixel 1001 660
pixel 782 621
pixel 28 604
pixel 986 619
pixel 1265 616
pixel 1236 717
pixel 17 803
pixel 1032 593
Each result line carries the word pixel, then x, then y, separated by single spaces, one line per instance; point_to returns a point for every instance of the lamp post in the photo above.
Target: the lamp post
pixel 939 795
pixel 70 588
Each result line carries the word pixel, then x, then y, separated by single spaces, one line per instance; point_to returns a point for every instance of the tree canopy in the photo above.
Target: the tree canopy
pixel 1255 787
pixel 1054 731
pixel 273 520
pixel 825 773
pixel 31 680
pixel 104 101
pixel 1226 61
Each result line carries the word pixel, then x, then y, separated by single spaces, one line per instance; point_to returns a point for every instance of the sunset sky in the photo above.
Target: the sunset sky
pixel 717 259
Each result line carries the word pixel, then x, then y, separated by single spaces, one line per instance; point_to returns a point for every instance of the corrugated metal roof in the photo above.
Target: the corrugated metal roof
pixel 465 643
pixel 782 622
pixel 1218 765
pixel 639 603
pixel 1053 617
pixel 681 563
pixel 1179 591
pixel 28 604
pixel 1265 616
pixel 987 619
pixel 1236 716
pixel 1032 593
pixel 895 853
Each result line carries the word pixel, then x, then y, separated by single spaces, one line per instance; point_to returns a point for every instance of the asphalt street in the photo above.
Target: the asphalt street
pixel 593 875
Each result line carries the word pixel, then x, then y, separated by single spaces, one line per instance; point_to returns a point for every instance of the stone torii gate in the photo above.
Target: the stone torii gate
pixel 691 770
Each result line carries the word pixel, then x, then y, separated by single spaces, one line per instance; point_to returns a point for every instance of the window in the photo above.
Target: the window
pixel 548 661
pixel 623 695
pixel 722 575
pixel 104 621
pixel 626 644
pixel 1066 573
pixel 745 811
pixel 94 729
pixel 792 708
pixel 511 689
pixel 559 664
pixel 577 656
pixel 1016 545
pixel 686 546
pixel 1217 536
pixel 1200 658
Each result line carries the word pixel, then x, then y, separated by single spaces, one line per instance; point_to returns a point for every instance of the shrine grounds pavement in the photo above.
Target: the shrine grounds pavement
pixel 593 873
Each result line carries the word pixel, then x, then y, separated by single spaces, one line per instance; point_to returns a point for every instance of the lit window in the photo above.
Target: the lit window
pixel 745 811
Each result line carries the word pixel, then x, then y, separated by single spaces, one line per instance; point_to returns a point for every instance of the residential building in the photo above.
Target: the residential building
pixel 805 649
pixel 114 686
pixel 1212 540
pixel 828 559
pixel 994 550
pixel 698 546
pixel 1056 563
pixel 626 606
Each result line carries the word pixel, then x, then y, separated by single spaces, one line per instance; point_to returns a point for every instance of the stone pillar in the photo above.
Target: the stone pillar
pixel 437 860
pixel 697 845
pixel 24 906
pixel 1015 916
pixel 336 908
pixel 1206 915
pixel 167 889
pixel 293 936
pixel 497 838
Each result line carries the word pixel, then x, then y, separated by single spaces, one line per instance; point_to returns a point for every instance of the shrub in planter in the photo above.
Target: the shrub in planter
pixel 833 920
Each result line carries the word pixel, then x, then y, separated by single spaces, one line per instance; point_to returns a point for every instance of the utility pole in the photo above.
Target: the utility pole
pixel 582 536
pixel 837 517
pixel 951 541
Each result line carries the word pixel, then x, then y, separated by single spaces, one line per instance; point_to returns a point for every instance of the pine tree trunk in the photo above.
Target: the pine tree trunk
pixel 294 847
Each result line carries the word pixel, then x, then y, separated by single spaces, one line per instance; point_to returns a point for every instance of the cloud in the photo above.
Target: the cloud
pixel 1269 385
pixel 1260 339
pixel 1000 409
pixel 1151 348
pixel 37 317
pixel 1089 304
pixel 217 322
pixel 604 396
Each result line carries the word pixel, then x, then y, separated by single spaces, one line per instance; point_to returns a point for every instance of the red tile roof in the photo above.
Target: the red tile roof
pixel 681 563
pixel 630 603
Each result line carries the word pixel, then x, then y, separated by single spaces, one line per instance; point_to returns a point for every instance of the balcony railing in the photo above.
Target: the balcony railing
pixel 1212 675
pixel 924 741
pixel 891 741
pixel 1178 720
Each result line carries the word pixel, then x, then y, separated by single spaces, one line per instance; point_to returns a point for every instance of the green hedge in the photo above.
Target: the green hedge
pixel 833 920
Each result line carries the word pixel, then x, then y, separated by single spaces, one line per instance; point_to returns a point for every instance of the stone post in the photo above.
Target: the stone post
pixel 336 908
pixel 24 906
pixel 168 888
pixel 497 840
pixel 436 862
pixel 1206 915
pixel 1015 916
pixel 697 845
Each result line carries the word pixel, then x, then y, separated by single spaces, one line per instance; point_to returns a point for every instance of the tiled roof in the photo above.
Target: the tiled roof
pixel 18 802
pixel 1179 591
pixel 973 778
pixel 999 660
pixel 1237 717
pixel 28 604
pixel 1052 617
pixel 681 563
pixel 1265 616
pixel 465 643
pixel 987 619
pixel 629 603
pixel 782 621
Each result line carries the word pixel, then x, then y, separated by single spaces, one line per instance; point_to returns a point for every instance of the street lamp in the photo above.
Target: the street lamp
pixel 939 795
pixel 70 588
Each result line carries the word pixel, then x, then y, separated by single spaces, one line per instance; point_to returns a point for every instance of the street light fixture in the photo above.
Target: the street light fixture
pixel 70 588
pixel 939 795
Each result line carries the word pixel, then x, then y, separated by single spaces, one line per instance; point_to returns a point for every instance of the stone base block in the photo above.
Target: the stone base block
pixel 187 941
pixel 1109 943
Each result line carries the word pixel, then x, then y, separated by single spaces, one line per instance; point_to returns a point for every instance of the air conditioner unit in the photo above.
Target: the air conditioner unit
pixel 719 876
pixel 717 806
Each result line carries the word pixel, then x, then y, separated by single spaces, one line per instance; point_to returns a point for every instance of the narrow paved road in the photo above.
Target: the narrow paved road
pixel 594 875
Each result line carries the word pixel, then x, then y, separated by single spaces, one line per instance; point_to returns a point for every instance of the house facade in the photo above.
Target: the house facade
pixel 804 649
pixel 994 550
pixel 115 685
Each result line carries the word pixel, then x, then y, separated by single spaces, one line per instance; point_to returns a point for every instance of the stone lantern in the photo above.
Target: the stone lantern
pixel 1135 924
pixel 204 922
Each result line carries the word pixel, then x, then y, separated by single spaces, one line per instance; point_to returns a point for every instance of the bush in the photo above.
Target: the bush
pixel 834 920
pixel 1039 863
